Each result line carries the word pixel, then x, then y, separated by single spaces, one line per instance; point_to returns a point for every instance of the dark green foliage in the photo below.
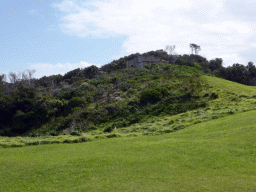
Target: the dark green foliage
pixel 89 72
pixel 237 73
pixel 205 67
pixel 68 108
pixel 87 99
pixel 121 63
pixel 77 102
pixel 5 108
pixel 124 86
pixel 66 95
pixel 2 82
pixel 51 81
pixel 153 95
pixel 215 64
pixel 159 53
pixel 25 92
pixel 109 129
pixel 115 78
pixel 155 77
pixel 71 74
pixel 190 60
pixel 214 96
pixel 24 98
pixel 147 66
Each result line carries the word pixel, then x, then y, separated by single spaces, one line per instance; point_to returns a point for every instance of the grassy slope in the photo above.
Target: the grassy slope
pixel 231 86
pixel 218 155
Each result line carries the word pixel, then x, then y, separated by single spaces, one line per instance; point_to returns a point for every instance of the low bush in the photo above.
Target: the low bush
pixel 214 95
pixel 76 102
pixel 153 95
pixel 112 135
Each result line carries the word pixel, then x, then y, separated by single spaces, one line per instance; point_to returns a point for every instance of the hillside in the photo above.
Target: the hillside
pixel 218 98
pixel 217 155
pixel 156 98
pixel 118 99
pixel 165 128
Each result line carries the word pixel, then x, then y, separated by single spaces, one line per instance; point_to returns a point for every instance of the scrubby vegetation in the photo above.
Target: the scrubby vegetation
pixel 116 100
pixel 99 101
pixel 211 120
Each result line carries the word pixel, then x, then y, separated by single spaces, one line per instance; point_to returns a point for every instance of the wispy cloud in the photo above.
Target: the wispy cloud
pixel 150 25
pixel 47 69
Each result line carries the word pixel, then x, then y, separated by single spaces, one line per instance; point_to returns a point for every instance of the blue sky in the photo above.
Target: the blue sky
pixel 31 37
pixel 56 36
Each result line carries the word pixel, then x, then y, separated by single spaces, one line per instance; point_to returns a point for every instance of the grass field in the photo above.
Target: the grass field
pixel 218 155
pixel 230 86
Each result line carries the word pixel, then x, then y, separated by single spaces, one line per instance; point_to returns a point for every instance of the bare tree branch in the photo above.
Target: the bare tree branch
pixel 194 48
pixel 31 73
pixel 170 49
pixel 24 76
pixel 13 77
pixel 3 77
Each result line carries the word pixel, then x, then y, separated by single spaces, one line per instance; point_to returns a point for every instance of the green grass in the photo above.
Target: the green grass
pixel 218 155
pixel 231 86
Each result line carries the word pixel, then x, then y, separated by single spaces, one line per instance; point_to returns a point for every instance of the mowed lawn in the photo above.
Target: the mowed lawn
pixel 218 155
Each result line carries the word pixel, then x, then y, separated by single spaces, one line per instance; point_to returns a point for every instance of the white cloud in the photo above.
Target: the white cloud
pixel 47 69
pixel 68 6
pixel 150 25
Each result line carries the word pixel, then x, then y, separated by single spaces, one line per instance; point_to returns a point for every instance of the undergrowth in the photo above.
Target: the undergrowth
pixel 220 98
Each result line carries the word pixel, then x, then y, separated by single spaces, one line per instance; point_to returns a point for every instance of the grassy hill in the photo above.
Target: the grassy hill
pixel 119 100
pixel 198 136
pixel 218 155
pixel 231 86
pixel 222 98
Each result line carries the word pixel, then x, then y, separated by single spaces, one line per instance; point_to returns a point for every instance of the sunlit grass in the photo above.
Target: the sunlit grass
pixel 218 155
pixel 230 86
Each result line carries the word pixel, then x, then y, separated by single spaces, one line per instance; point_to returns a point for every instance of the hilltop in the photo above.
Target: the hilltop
pixel 124 100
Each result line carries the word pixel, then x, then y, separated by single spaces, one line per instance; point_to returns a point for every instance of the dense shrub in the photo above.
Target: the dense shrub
pixel 122 98
pixel 153 95
pixel 115 78
pixel 76 102
pixel 108 129
pixel 214 95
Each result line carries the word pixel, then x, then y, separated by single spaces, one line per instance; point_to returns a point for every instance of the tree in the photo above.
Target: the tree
pixel 170 49
pixel 251 72
pixel 24 99
pixel 215 64
pixel 250 66
pixel 30 74
pixel 194 48
pixel 25 77
pixel 13 77
pixel 2 81
pixel 5 111
pixel 3 77
pixel 238 73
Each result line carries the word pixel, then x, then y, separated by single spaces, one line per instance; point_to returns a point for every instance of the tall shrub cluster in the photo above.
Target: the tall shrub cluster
pixel 85 99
